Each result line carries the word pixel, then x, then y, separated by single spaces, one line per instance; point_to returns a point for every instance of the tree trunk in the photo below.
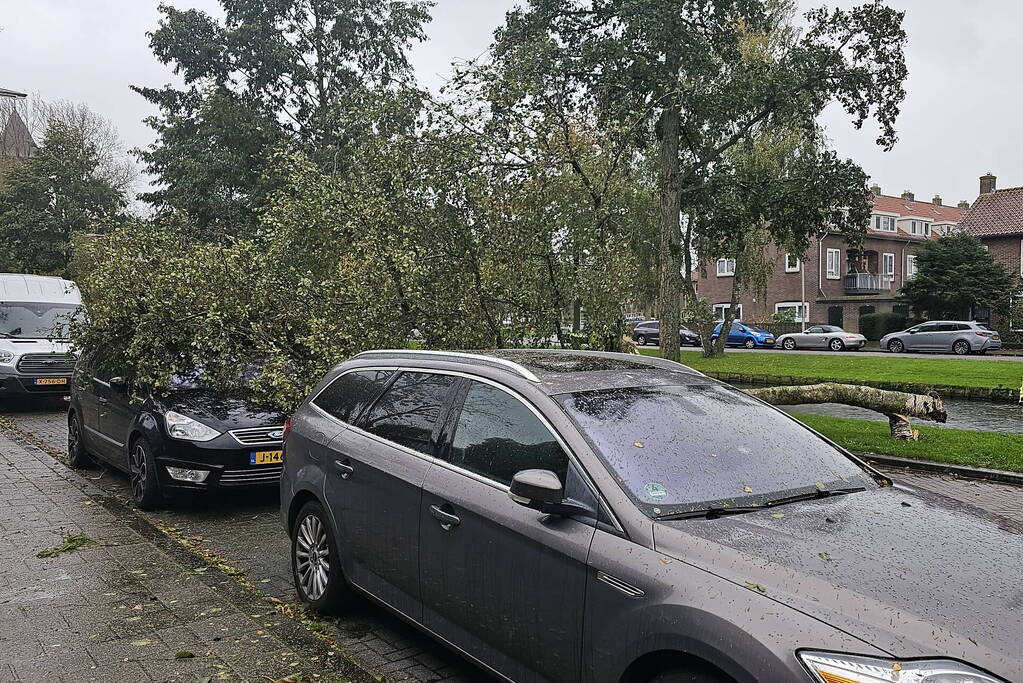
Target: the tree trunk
pixel 670 291
pixel 898 406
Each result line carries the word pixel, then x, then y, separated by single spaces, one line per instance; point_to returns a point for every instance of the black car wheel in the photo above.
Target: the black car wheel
pixel 145 483
pixel 789 344
pixel 76 454
pixel 961 348
pixel 896 346
pixel 641 339
pixel 316 561
pixel 750 344
pixel 836 345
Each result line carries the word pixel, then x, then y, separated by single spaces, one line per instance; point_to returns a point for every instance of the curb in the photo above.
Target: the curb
pixel 1002 394
pixel 963 471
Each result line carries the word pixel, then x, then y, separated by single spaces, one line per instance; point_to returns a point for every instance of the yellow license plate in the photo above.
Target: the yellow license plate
pixel 266 457
pixel 49 380
pixel 768 341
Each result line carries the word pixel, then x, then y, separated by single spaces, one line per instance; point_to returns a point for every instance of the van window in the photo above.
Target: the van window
pixel 347 396
pixel 410 409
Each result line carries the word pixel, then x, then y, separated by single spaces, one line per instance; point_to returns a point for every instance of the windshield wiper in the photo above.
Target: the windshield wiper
pixel 721 511
pixel 816 495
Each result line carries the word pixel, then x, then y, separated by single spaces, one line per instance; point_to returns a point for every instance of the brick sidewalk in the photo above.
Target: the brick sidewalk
pixel 119 610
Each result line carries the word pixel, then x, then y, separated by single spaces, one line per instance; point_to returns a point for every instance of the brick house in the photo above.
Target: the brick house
pixel 996 218
pixel 835 284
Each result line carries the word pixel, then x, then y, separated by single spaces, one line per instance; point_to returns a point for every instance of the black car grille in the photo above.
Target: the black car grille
pixel 252 477
pixel 46 364
pixel 257 435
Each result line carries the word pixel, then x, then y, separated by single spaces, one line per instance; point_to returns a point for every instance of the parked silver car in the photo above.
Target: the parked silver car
pixel 822 337
pixel 600 518
pixel 947 336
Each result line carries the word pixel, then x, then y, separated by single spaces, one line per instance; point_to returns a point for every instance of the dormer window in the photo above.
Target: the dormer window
pixel 884 223
pixel 920 228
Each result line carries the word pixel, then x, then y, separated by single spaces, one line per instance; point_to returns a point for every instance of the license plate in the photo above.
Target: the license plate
pixel 768 341
pixel 266 457
pixel 43 381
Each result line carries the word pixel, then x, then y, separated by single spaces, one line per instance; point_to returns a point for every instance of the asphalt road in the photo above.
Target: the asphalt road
pixel 873 354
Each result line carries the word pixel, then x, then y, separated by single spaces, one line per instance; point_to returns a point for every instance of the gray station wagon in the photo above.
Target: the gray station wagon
pixel 948 336
pixel 589 517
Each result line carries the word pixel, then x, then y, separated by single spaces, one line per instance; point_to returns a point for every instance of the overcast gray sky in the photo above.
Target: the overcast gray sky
pixel 960 119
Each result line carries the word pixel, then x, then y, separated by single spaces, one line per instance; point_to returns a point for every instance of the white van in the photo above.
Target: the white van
pixel 35 356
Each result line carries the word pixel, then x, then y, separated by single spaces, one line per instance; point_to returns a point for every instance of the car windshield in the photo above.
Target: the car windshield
pixel 36 320
pixel 678 449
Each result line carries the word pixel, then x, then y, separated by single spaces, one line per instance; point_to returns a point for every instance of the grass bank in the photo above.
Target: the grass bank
pixel 956 446
pixel 957 372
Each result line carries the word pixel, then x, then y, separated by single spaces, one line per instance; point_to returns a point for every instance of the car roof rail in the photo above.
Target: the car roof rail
pixel 517 368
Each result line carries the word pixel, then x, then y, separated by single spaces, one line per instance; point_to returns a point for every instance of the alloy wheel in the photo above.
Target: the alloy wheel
pixel 895 346
pixel 961 348
pixel 750 344
pixel 641 340
pixel 312 557
pixel 836 345
pixel 789 344
pixel 137 471
pixel 73 436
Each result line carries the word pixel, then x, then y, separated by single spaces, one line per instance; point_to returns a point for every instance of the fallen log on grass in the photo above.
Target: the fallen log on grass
pixel 898 406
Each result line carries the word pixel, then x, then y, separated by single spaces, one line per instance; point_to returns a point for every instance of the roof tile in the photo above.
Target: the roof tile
pixel 997 213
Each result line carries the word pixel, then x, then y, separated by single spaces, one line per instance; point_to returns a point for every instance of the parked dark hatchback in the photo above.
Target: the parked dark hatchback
pixel 183 439
pixel 585 517
pixel 649 332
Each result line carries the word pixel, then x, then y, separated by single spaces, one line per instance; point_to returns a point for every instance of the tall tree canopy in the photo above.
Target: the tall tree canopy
pixel 956 276
pixel 273 74
pixel 695 78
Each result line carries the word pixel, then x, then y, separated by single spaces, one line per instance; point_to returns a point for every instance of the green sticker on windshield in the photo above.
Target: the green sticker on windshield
pixel 655 491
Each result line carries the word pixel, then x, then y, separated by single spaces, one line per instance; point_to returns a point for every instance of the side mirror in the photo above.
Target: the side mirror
pixel 118 383
pixel 911 331
pixel 542 490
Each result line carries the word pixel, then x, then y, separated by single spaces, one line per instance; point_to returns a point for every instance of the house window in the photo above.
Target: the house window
pixel 721 309
pixel 888 267
pixel 884 223
pixel 920 228
pixel 834 264
pixel 910 267
pixel 802 310
pixel 791 263
pixel 726 267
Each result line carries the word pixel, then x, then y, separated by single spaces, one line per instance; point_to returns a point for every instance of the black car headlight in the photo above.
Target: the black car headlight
pixel 829 667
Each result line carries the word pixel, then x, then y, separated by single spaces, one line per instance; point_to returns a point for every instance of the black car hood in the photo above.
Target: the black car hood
pixel 912 573
pixel 219 411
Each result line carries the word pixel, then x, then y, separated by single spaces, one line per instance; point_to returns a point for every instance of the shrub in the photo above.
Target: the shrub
pixel 873 326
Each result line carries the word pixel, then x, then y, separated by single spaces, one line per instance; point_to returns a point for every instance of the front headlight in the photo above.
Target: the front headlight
pixel 6 356
pixel 185 428
pixel 828 667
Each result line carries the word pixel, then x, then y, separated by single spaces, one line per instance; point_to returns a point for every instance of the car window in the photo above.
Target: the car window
pixel 736 327
pixel 497 436
pixel 410 409
pixel 962 326
pixel 815 330
pixel 347 396
pixel 678 448
pixel 929 327
pixel 948 327
pixel 653 326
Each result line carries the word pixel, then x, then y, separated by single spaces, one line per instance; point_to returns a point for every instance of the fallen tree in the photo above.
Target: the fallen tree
pixel 897 406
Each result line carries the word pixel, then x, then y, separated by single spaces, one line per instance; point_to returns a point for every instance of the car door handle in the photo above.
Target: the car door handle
pixel 344 469
pixel 448 520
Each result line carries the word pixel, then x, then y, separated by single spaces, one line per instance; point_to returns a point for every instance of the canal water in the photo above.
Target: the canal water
pixel 963 413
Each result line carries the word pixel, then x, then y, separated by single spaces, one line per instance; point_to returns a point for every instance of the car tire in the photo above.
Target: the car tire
pixel 836 345
pixel 641 340
pixel 142 475
pixel 961 348
pixel 312 530
pixel 896 346
pixel 750 344
pixel 77 456
pixel 789 344
pixel 687 675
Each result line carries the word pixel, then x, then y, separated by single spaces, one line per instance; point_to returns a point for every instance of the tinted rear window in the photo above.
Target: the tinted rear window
pixel 347 396
pixel 678 448
pixel 410 409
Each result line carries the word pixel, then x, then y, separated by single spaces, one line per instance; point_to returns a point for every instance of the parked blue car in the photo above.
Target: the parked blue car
pixel 749 336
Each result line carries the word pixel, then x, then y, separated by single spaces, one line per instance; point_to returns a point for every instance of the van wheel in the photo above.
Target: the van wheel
pixel 77 456
pixel 750 344
pixel 316 562
pixel 961 348
pixel 145 482
pixel 896 346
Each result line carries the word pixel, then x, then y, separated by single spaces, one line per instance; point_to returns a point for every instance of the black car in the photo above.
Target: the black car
pixel 185 438
pixel 649 332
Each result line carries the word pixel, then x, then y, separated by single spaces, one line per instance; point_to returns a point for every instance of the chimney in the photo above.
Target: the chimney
pixel 908 196
pixel 875 189
pixel 937 200
pixel 987 183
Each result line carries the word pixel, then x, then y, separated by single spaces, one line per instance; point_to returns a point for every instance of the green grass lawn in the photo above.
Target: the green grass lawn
pixel 956 446
pixel 961 372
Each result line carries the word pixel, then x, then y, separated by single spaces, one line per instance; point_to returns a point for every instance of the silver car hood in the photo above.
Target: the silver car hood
pixel 912 573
